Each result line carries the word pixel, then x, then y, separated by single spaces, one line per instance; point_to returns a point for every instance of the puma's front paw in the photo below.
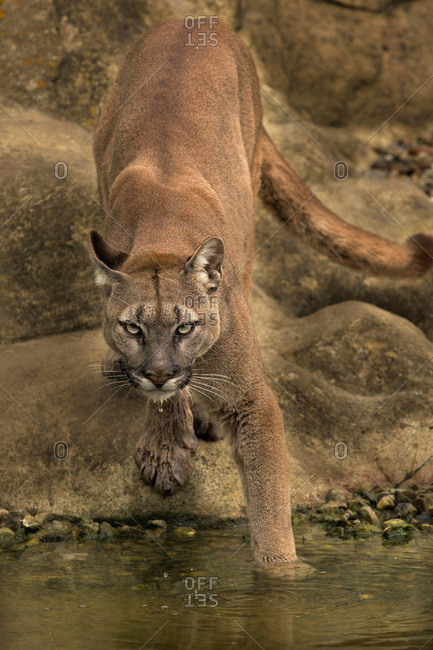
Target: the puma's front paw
pixel 166 468
pixel 204 428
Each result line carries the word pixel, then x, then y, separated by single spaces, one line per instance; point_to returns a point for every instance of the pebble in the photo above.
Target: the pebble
pixel 106 531
pixel 29 523
pixel 405 510
pixel 387 501
pixel 89 530
pixel 6 536
pixel 184 530
pixel 61 528
pixel 156 523
pixel 357 503
pixel 367 513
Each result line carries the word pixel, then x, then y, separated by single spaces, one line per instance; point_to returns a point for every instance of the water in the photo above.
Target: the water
pixel 131 594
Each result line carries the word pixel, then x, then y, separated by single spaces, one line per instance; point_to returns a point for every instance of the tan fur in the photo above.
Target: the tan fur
pixel 181 154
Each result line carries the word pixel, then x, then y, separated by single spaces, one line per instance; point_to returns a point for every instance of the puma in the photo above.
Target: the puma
pixel 181 156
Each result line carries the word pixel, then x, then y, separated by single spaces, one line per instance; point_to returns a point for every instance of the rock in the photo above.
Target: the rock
pixel 332 508
pixel 185 531
pixel 63 57
pixel 367 514
pixel 59 528
pixel 30 523
pixel 340 494
pixel 6 536
pixel 42 517
pixel 89 530
pixel 424 503
pixel 369 495
pixel 309 48
pixel 131 531
pixel 405 495
pixel 7 518
pixel 106 531
pixel 407 510
pixel 397 531
pixel 48 289
pixel 386 501
pixel 362 531
pixel 357 504
pixel 156 523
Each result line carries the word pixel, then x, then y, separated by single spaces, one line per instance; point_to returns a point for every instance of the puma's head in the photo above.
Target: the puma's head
pixel 161 313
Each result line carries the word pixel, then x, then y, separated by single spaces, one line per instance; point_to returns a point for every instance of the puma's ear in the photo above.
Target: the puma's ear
pixel 106 257
pixel 206 263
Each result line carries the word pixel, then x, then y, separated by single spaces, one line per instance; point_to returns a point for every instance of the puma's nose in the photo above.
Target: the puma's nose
pixel 159 379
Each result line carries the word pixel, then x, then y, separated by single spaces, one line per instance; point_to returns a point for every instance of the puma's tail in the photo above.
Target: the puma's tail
pixel 292 201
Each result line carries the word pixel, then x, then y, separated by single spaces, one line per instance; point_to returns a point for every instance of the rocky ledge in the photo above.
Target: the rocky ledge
pixel 398 514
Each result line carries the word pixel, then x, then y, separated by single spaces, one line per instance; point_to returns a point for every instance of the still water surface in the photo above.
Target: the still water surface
pixel 132 594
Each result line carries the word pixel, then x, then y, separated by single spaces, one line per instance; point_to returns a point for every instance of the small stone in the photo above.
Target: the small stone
pixel 405 510
pixel 357 503
pixel 405 495
pixel 29 523
pixel 131 531
pixel 332 508
pixel 89 530
pixel 369 496
pixel 184 530
pixel 156 523
pixel 397 531
pixel 338 494
pixel 387 501
pixel 106 531
pixel 424 503
pixel 5 516
pixel 42 517
pixel 57 527
pixel 367 514
pixel 6 536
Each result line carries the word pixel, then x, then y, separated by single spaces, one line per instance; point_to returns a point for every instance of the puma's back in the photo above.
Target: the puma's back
pixel 176 145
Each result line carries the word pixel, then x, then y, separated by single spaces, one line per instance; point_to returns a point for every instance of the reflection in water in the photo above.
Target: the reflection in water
pixel 129 594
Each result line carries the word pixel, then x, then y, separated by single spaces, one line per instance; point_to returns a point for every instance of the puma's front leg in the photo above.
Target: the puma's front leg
pixel 164 452
pixel 262 458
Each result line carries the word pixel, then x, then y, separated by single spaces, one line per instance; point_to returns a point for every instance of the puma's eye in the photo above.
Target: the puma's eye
pixel 131 328
pixel 186 328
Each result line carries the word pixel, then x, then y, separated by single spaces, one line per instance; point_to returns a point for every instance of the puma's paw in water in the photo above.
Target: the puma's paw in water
pixel 287 570
pixel 167 468
pixel 204 428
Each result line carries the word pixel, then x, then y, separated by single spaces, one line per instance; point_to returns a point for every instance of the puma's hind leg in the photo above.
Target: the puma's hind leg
pixel 165 450
pixel 204 427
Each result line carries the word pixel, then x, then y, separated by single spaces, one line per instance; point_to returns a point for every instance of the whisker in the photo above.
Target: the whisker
pixel 118 382
pixel 210 389
pixel 209 377
pixel 199 391
pixel 210 374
